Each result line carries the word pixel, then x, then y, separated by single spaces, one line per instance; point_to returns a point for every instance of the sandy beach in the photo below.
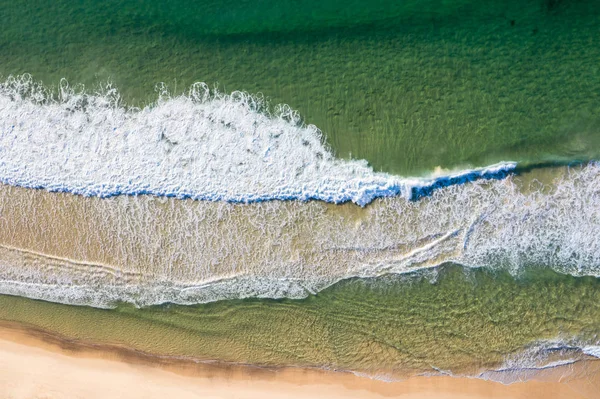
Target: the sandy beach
pixel 34 364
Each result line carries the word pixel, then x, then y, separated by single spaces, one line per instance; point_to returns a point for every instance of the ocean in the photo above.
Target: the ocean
pixel 397 187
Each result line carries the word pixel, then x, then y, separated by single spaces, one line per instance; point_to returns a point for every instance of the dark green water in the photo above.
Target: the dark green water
pixel 407 85
pixel 463 321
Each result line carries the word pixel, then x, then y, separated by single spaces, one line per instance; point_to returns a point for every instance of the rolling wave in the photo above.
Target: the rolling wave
pixel 204 145
pixel 542 355
pixel 149 250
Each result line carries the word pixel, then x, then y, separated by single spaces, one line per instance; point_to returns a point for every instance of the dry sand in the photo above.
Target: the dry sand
pixel 34 364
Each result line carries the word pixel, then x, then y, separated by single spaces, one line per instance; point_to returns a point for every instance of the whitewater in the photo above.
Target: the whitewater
pixel 204 145
pixel 182 201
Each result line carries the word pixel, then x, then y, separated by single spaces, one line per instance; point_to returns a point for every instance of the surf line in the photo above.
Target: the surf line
pixel 203 146
pixel 361 194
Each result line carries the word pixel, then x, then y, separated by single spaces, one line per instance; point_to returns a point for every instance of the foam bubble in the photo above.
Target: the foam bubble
pixel 204 145
pixel 592 350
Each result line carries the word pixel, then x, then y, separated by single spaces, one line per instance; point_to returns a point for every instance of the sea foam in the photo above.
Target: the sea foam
pixel 226 149
pixel 204 145
pixel 150 250
pixel 542 355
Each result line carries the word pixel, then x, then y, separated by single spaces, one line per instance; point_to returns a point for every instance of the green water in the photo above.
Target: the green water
pixel 407 85
pixel 461 321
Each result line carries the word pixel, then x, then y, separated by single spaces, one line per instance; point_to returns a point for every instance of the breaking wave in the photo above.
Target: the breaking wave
pixel 150 250
pixel 204 145
pixel 540 356
pixel 230 149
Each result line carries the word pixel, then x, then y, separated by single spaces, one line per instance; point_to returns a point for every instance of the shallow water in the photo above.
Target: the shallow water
pixel 456 320
pixel 149 250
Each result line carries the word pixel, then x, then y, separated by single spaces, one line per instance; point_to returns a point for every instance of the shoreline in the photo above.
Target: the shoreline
pixel 35 362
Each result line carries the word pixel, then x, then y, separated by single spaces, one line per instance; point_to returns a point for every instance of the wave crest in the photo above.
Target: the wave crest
pixel 204 145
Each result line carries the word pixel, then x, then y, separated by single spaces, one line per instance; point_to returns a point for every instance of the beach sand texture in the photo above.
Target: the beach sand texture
pixel 35 365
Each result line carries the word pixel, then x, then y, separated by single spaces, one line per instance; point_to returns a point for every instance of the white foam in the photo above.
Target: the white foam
pixel 542 355
pixel 150 250
pixel 536 358
pixel 592 350
pixel 204 146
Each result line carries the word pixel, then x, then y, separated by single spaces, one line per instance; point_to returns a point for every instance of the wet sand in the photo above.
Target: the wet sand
pixel 36 364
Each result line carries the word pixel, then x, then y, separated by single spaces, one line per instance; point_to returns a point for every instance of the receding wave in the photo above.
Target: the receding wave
pixel 538 356
pixel 204 145
pixel 150 250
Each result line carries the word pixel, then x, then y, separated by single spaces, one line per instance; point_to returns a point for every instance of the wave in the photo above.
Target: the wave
pixel 541 356
pixel 528 363
pixel 150 250
pixel 227 149
pixel 204 145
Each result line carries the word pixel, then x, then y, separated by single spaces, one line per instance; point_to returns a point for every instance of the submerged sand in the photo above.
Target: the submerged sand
pixel 151 250
pixel 35 364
